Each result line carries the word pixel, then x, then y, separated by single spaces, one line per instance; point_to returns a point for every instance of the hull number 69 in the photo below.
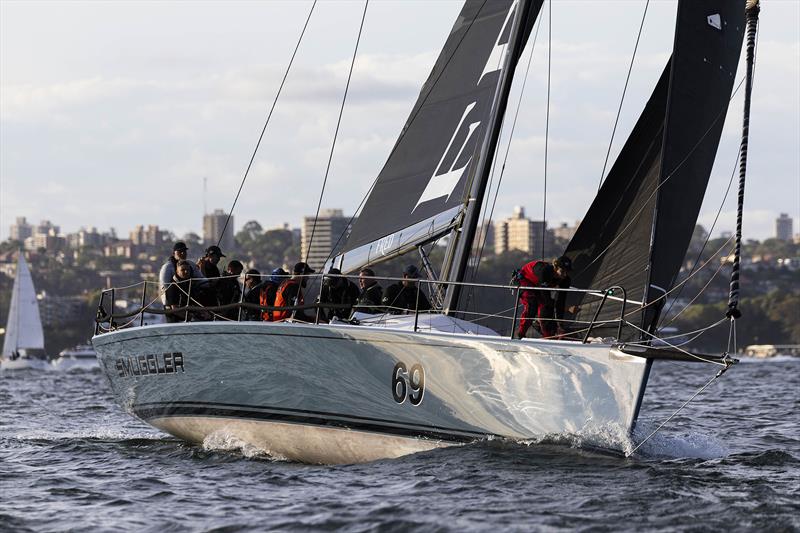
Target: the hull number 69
pixel 408 383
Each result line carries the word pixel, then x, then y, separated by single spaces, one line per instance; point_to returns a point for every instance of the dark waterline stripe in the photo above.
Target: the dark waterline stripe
pixel 310 418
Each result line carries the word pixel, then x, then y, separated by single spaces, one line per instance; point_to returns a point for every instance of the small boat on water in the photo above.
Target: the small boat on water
pixel 81 356
pixel 23 345
pixel 386 386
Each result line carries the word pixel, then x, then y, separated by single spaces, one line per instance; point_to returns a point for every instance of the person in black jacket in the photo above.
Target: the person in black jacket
pixel 337 289
pixel 228 289
pixel 208 266
pixel 369 299
pixel 177 292
pixel 402 297
pixel 252 278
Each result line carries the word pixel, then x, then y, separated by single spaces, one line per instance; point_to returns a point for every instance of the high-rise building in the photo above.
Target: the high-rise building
pixel 85 238
pixel 20 230
pixel 213 224
pixel 331 228
pixel 151 236
pixel 45 235
pixel 565 231
pixel 484 241
pixel 523 234
pixel 783 227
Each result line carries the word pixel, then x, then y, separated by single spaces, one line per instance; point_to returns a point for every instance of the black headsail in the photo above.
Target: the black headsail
pixel 420 192
pixel 637 230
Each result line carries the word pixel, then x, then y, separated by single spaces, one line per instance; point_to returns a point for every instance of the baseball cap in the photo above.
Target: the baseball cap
pixel 302 268
pixel 411 271
pixel 563 262
pixel 179 246
pixel 214 250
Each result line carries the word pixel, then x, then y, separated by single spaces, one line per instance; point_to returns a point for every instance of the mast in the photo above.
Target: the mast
pixel 460 246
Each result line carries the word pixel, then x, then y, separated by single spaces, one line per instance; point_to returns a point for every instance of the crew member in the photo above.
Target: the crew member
pixel 290 293
pixel 228 289
pixel 337 289
pixel 165 275
pixel 402 297
pixel 539 303
pixel 208 266
pixel 178 293
pixel 252 278
pixel 268 289
pixel 369 299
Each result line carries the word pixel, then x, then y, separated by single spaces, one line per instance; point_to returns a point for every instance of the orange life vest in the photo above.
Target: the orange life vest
pixel 281 301
pixel 263 300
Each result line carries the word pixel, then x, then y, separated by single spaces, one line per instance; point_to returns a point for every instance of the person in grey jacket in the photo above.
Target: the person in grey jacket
pixel 167 272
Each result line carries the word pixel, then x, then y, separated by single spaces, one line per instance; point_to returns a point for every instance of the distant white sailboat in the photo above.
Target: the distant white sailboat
pixel 23 345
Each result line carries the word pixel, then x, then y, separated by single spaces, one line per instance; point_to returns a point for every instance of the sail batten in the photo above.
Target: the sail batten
pixel 24 326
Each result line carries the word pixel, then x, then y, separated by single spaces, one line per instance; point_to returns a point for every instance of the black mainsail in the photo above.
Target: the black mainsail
pixel 638 228
pixel 420 194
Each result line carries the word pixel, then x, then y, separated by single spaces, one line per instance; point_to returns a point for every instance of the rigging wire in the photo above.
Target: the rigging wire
pixel 663 182
pixel 266 123
pixel 703 248
pixel 336 133
pixel 719 211
pixel 505 158
pixel 673 415
pixel 406 128
pixel 547 119
pixel 622 99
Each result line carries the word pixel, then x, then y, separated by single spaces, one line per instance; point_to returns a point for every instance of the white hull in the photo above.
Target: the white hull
pixel 24 363
pixel 324 394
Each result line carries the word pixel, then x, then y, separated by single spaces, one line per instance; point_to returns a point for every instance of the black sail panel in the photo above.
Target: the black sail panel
pixel 638 229
pixel 708 42
pixel 427 171
pixel 612 245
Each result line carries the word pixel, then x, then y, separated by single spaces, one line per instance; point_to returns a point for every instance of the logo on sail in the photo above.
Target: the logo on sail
pixel 445 177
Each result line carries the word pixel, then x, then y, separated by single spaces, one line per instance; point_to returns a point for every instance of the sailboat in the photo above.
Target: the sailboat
pixel 348 392
pixel 23 345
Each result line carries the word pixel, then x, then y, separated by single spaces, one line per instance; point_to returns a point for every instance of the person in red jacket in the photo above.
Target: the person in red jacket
pixel 539 304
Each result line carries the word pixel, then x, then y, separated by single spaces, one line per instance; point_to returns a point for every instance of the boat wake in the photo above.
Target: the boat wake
pixel 223 441
pixel 669 445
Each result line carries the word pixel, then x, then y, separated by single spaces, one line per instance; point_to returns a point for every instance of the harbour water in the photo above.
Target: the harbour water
pixel 70 459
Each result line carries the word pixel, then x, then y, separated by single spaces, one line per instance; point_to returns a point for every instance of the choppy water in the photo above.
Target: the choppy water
pixel 70 459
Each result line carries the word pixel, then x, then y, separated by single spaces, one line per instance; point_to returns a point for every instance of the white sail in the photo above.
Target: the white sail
pixel 24 326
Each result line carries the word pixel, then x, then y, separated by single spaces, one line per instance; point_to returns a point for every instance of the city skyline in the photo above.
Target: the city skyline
pixel 125 129
pixel 515 231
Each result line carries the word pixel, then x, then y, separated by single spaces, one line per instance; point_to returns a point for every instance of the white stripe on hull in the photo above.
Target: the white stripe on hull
pixel 295 442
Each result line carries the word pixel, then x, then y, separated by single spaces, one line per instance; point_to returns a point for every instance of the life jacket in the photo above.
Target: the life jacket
pixel 281 300
pixel 264 300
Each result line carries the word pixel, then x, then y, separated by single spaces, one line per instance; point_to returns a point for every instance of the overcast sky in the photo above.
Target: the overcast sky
pixel 112 113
